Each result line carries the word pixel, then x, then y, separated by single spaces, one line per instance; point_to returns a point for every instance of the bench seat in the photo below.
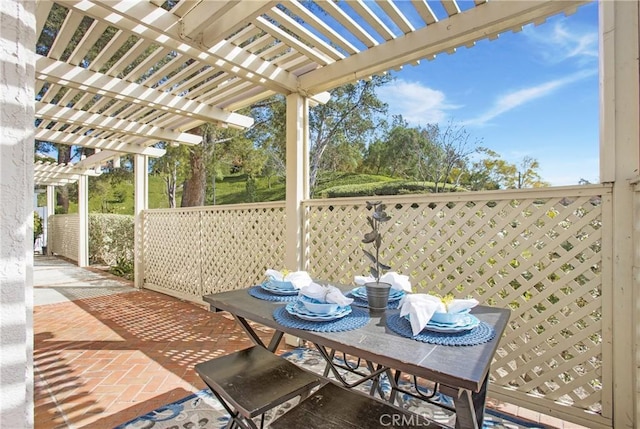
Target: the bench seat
pixel 252 381
pixel 334 407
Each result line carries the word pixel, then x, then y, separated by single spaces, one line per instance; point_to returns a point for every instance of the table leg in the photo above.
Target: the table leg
pixel 374 373
pixel 275 339
pixel 470 407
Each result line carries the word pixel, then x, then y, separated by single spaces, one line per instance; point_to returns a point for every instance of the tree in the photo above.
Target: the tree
pixel 350 117
pixel 195 184
pixel 172 167
pixel 527 175
pixel 338 130
pixel 442 151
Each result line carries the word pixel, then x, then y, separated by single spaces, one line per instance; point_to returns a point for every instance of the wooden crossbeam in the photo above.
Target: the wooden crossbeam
pixel 76 77
pixel 97 143
pixel 93 120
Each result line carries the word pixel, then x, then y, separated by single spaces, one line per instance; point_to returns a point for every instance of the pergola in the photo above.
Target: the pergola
pixel 121 76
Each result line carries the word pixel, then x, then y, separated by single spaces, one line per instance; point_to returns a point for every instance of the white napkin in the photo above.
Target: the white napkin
pixel 420 308
pixel 297 278
pixel 329 294
pixel 397 281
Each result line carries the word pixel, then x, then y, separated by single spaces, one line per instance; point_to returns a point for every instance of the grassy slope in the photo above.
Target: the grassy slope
pixel 231 190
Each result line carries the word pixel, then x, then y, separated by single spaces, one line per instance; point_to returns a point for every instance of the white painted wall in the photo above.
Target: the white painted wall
pixel 17 78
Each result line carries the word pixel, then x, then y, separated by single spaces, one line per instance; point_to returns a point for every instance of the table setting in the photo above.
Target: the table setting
pixel 281 286
pixel 435 320
pixel 322 308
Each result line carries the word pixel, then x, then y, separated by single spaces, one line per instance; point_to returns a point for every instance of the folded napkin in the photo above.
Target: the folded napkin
pixel 420 308
pixel 397 281
pixel 297 278
pixel 329 294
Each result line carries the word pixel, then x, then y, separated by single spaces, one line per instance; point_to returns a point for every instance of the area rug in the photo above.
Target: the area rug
pixel 202 411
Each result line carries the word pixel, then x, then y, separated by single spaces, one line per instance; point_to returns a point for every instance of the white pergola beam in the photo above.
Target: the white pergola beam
pixel 96 143
pixel 93 120
pixel 160 26
pixel 459 30
pixel 235 18
pixel 85 80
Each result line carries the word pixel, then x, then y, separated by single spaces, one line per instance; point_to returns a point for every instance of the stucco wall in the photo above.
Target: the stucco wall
pixel 17 59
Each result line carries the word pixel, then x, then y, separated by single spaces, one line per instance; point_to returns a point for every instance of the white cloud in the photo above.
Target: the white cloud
pixel 558 43
pixel 517 98
pixel 418 104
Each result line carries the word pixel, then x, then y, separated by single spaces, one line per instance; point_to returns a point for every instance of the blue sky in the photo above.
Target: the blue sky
pixel 532 93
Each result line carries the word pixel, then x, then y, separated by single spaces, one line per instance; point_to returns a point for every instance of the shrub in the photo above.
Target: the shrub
pixel 111 239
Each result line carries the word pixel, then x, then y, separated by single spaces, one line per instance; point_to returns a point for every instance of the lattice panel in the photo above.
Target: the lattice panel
pixel 240 244
pixel 196 251
pixel 172 250
pixel 538 253
pixel 62 235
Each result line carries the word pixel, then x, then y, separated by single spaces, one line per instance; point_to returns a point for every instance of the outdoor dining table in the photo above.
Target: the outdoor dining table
pixel 462 372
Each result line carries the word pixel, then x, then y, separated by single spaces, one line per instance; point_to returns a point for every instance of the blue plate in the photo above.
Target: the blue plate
pixel 270 287
pixel 466 324
pixel 298 310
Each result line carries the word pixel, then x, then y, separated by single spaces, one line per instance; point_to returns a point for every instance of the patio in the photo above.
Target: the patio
pixel 586 289
pixel 99 363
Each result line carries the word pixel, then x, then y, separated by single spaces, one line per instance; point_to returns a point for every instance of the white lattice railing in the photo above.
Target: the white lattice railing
pixel 62 235
pixel 537 252
pixel 192 252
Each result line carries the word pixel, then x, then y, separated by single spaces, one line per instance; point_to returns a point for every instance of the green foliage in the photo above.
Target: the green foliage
pixel 394 187
pixel 37 225
pixel 123 268
pixel 111 239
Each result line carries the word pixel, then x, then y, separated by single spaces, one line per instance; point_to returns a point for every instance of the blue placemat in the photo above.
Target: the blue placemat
pixel 360 302
pixel 354 320
pixel 478 335
pixel 258 292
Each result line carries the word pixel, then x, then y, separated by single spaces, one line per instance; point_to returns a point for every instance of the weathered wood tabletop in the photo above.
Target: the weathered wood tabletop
pixel 461 368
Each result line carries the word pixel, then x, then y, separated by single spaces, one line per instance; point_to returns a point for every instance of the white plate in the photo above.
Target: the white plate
pixel 361 292
pixel 466 324
pixel 270 288
pixel 296 309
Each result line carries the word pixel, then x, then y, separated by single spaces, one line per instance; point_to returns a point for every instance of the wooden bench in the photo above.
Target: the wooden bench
pixel 252 381
pixel 333 407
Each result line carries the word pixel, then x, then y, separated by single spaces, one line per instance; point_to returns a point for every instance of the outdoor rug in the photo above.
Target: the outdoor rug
pixel 202 410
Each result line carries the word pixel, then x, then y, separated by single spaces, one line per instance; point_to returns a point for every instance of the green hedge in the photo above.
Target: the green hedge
pixel 111 239
pixel 396 187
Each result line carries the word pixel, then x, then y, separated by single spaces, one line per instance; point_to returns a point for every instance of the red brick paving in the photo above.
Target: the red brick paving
pixel 100 362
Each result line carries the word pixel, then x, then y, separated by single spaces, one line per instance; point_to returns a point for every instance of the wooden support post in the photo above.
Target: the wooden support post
pixel 141 203
pixel 619 156
pixel 297 178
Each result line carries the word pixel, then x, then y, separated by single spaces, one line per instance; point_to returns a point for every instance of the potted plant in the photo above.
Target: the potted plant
pixel 377 292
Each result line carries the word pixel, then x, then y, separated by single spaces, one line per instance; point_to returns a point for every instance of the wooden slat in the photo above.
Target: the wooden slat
pixel 67 30
pixel 87 141
pixel 51 112
pixel 425 12
pixel 312 20
pixel 451 7
pixel 94 32
pixel 396 15
pixel 296 44
pixel 305 35
pixel 372 19
pixel 116 88
pixel 334 10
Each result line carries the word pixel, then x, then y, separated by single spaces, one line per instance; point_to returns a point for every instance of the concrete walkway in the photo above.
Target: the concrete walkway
pixel 56 280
